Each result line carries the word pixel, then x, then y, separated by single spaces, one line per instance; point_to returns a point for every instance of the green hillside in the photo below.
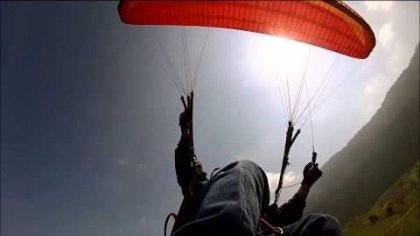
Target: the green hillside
pixel 397 211
pixel 377 156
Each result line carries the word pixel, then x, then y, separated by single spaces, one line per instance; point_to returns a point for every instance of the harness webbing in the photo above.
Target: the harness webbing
pixel 167 220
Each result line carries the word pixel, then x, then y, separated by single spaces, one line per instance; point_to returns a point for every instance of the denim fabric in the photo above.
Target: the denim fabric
pixel 233 202
pixel 314 225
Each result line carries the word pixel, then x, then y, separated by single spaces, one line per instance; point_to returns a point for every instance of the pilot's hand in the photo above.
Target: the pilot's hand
pixel 311 173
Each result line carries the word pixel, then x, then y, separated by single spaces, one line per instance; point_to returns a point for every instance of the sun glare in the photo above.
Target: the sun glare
pixel 275 56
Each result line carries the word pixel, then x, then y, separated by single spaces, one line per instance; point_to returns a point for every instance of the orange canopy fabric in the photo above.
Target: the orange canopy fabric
pixel 327 24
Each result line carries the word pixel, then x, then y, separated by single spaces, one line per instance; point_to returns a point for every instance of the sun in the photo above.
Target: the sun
pixel 275 57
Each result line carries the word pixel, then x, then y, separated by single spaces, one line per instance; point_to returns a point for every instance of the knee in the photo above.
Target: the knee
pixel 247 164
pixel 327 223
pixel 242 164
pixel 250 167
pixel 324 217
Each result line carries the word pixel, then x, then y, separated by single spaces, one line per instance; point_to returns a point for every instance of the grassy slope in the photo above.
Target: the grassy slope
pixel 397 211
pixel 380 153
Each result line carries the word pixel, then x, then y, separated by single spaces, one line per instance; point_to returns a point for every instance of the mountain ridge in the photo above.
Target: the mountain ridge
pixel 377 155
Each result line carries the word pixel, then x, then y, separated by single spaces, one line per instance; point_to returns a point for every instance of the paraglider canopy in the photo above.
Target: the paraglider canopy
pixel 328 24
pixel 331 25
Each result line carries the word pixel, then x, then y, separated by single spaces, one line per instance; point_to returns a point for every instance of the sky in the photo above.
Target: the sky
pixel 89 115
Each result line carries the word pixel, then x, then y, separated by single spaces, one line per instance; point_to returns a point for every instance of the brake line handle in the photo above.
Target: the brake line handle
pixel 314 154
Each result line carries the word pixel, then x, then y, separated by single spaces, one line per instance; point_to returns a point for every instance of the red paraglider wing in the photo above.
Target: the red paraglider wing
pixel 327 24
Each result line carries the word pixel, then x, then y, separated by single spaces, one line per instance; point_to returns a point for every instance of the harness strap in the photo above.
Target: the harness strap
pixel 273 229
pixel 167 220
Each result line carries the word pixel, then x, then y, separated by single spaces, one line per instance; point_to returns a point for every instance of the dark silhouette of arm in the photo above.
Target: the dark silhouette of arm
pixel 293 210
pixel 290 211
pixel 184 156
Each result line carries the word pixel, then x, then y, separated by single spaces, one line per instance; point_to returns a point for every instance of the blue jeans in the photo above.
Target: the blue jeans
pixel 314 225
pixel 234 200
